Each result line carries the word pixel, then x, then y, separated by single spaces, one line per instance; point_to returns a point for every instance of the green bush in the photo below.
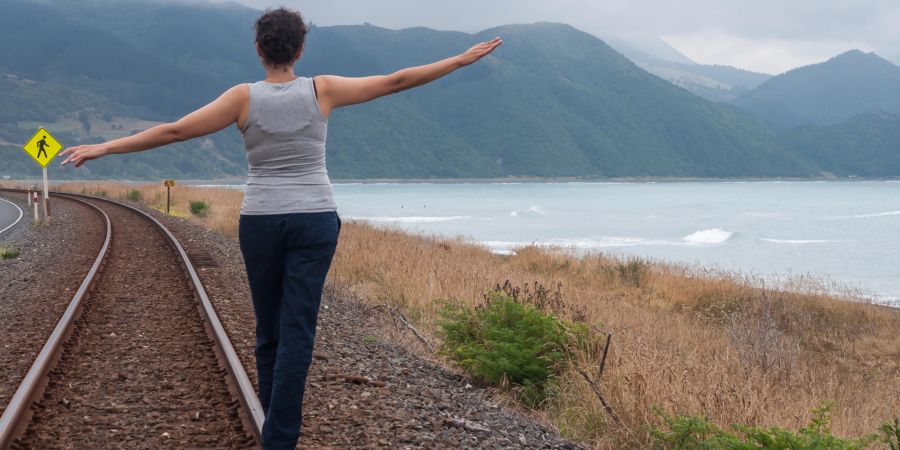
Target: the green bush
pixel 890 434
pixel 696 432
pixel 134 195
pixel 200 208
pixel 632 272
pixel 510 344
pixel 8 253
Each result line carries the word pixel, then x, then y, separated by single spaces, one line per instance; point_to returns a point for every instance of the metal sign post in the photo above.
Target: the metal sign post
pixel 46 197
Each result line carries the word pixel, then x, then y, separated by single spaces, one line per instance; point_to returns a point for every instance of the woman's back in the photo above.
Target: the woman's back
pixel 285 137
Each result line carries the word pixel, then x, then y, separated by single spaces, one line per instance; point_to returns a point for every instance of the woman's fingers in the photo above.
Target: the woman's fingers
pixel 482 49
pixel 79 155
pixel 69 151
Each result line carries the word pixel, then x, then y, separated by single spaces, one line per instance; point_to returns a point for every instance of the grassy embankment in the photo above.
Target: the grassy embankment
pixel 687 340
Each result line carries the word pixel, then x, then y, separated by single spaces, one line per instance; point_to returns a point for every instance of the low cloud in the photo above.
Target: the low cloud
pixel 764 35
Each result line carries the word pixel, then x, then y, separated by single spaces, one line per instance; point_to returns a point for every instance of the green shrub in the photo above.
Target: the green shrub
pixel 200 208
pixel 134 195
pixel 509 344
pixel 890 434
pixel 8 253
pixel 696 432
pixel 632 272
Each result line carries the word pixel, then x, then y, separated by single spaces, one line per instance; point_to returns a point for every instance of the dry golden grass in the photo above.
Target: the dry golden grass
pixel 690 341
pixel 225 204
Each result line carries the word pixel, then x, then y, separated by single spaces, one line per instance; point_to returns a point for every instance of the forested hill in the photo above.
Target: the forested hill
pixel 552 101
pixel 848 85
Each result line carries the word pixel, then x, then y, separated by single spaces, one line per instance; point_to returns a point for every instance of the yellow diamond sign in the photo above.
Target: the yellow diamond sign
pixel 42 147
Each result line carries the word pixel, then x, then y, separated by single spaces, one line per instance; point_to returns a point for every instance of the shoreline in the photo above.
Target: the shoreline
pixel 870 292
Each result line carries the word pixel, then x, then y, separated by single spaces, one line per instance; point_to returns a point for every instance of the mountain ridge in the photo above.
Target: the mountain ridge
pixel 827 93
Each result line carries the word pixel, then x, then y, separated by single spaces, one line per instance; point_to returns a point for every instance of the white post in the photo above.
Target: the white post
pixel 29 198
pixel 46 196
pixel 36 217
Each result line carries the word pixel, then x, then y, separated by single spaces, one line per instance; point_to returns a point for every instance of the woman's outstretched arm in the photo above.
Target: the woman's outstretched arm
pixel 217 115
pixel 335 91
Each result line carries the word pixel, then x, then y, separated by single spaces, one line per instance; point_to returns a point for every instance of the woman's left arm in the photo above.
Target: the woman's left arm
pixel 215 116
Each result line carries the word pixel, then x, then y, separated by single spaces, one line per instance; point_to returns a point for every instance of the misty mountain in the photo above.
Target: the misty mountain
pixel 646 47
pixel 552 101
pixel 713 82
pixel 843 87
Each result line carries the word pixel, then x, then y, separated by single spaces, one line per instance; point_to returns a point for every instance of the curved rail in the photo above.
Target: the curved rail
pixel 15 418
pixel 21 213
pixel 18 412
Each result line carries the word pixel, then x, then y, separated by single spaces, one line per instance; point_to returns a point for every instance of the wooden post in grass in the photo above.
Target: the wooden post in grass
pixel 37 217
pixel 169 184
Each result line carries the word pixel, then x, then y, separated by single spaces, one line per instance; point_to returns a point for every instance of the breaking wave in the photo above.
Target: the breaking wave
pixel 869 216
pixel 712 236
pixel 796 241
pixel 536 210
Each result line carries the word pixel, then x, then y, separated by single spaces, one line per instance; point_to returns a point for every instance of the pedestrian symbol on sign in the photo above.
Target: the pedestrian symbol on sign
pixel 42 147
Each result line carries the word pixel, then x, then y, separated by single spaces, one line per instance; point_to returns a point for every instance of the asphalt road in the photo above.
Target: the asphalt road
pixel 9 214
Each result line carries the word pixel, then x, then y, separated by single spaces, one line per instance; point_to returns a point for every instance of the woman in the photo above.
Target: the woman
pixel 289 225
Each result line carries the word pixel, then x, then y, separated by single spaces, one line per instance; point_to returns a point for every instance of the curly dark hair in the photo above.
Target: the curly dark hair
pixel 280 34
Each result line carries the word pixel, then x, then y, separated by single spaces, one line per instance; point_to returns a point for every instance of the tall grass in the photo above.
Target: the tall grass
pixel 688 340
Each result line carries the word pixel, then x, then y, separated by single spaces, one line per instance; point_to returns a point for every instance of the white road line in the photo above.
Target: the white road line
pixel 21 213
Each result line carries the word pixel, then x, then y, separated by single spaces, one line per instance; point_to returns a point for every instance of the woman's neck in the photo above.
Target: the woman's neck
pixel 280 74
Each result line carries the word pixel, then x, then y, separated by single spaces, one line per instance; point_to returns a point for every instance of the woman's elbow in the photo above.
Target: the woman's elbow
pixel 173 132
pixel 397 82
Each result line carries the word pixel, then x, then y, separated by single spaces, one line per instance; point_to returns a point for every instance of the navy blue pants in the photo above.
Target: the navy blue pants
pixel 287 257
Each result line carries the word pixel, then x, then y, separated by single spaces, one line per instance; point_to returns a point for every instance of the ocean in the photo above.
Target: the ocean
pixel 844 234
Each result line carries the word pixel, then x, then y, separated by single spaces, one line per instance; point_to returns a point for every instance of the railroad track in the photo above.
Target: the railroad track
pixel 129 362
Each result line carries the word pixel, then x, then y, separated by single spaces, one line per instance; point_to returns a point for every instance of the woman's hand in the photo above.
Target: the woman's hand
pixel 78 155
pixel 479 51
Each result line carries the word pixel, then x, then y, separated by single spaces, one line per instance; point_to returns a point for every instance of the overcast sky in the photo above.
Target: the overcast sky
pixel 763 35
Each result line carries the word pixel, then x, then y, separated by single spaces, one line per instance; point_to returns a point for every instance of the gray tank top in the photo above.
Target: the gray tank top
pixel 285 141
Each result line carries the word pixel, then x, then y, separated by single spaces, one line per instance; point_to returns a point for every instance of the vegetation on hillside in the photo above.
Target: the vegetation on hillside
pixel 828 93
pixel 553 101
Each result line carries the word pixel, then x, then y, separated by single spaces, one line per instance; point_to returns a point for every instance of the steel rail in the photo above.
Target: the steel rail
pixel 239 384
pixel 18 412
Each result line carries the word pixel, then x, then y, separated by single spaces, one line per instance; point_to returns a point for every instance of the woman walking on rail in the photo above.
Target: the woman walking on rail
pixel 289 225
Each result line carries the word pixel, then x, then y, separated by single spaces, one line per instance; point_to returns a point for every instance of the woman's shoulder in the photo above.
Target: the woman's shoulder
pixel 238 92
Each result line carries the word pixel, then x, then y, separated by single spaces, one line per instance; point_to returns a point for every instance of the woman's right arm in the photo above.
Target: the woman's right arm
pixel 334 91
